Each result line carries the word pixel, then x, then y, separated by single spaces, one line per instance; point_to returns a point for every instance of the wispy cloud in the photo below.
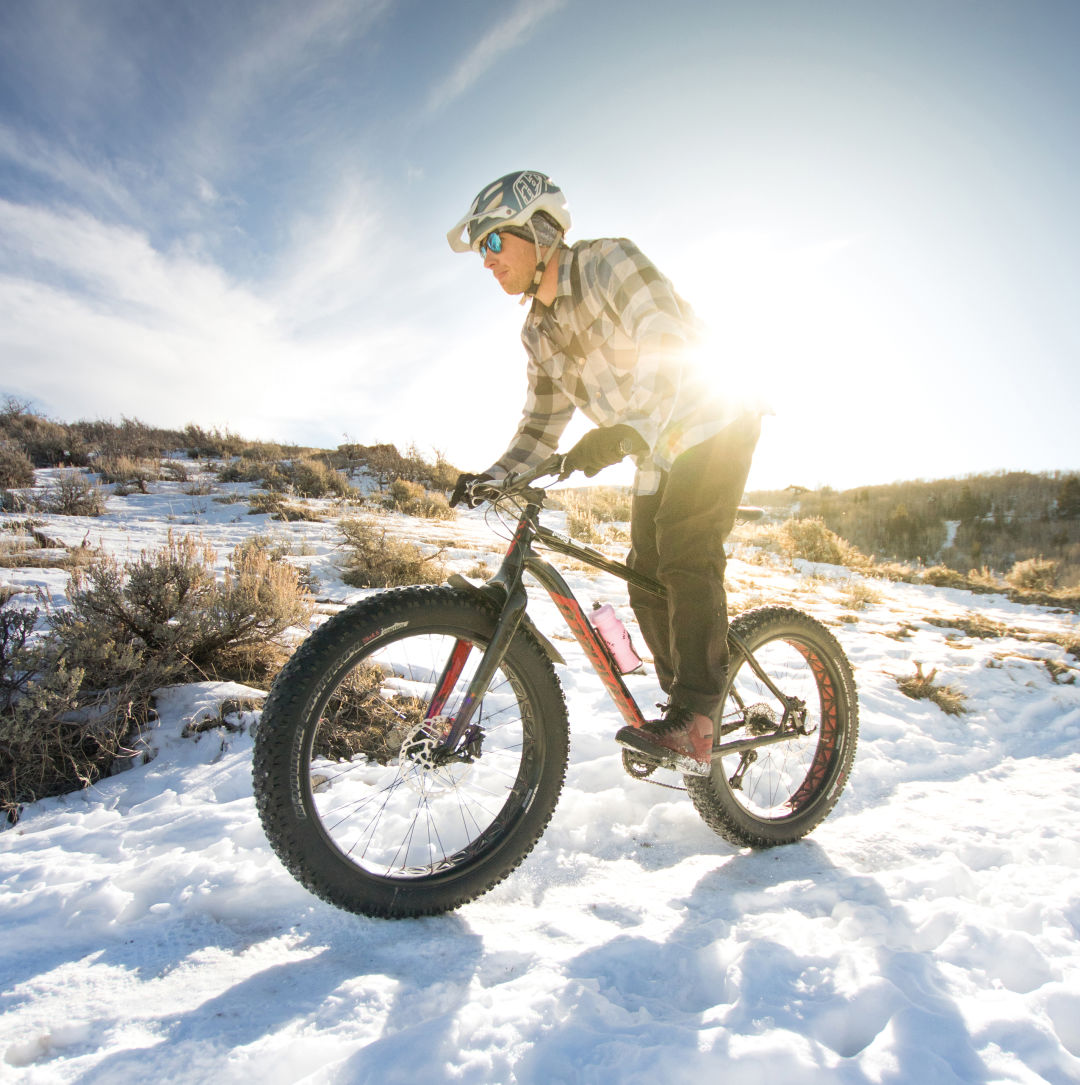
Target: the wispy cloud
pixel 95 182
pixel 97 322
pixel 513 31
pixel 278 51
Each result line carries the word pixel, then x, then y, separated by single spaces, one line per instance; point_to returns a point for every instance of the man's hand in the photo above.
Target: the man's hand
pixel 461 487
pixel 602 447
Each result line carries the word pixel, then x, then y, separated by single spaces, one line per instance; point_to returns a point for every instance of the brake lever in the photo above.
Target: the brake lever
pixel 478 492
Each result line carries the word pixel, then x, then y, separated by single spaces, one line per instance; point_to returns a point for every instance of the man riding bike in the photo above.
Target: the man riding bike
pixel 607 334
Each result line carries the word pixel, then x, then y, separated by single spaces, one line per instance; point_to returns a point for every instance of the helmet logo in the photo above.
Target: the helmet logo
pixel 528 187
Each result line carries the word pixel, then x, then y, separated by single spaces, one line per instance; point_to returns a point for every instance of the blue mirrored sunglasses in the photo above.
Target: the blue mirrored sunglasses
pixel 493 241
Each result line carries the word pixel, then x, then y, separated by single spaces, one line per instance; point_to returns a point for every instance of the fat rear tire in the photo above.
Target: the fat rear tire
pixel 786 790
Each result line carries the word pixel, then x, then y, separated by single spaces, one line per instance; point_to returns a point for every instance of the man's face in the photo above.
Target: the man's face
pixel 514 266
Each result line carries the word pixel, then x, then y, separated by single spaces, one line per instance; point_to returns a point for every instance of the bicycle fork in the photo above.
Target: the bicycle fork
pixel 509 579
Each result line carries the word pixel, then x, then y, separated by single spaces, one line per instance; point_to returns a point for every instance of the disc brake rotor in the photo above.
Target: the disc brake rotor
pixel 421 763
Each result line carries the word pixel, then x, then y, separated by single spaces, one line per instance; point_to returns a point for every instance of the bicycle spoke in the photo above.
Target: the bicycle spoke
pixel 387 812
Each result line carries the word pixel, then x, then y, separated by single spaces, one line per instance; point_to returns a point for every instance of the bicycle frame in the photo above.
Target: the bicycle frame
pixel 508 582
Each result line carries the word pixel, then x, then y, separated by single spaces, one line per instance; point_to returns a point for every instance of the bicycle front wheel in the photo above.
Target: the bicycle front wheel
pixel 778 793
pixel 356 793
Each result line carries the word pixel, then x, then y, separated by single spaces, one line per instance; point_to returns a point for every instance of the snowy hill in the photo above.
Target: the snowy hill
pixel 928 931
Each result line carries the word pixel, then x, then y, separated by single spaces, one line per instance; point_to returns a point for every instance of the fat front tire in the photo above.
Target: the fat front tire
pixel 778 793
pixel 358 797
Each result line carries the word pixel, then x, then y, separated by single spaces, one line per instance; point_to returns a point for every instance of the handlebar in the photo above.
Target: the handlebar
pixel 514 483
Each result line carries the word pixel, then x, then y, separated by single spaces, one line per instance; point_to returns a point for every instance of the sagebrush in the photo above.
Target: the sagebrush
pixel 374 559
pixel 74 693
pixel 412 499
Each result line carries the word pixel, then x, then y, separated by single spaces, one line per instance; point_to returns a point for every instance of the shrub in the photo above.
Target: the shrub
pixel 70 700
pixel 264 471
pixel 858 595
pixel 45 443
pixel 16 470
pixel 972 625
pixel 582 525
pixel 373 560
pixel 263 451
pixel 386 464
pixel 166 610
pixel 812 541
pixel 74 495
pixel 53 737
pixel 1035 574
pixel 127 472
pixel 20 557
pixel 174 471
pixel 205 444
pixel 412 499
pixel 130 439
pixel 941 576
pixel 984 580
pixel 261 598
pixel 313 478
pixel 305 477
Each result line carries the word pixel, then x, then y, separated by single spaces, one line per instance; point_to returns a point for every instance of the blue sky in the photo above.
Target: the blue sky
pixel 235 214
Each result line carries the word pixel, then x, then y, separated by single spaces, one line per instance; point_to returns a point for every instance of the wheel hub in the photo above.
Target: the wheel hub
pixel 426 766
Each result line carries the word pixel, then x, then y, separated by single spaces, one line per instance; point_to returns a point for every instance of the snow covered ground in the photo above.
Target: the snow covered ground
pixel 928 931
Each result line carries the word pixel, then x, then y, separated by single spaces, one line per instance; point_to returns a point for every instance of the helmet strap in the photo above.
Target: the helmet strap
pixel 542 261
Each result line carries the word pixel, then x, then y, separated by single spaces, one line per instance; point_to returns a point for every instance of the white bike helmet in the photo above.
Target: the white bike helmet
pixel 510 201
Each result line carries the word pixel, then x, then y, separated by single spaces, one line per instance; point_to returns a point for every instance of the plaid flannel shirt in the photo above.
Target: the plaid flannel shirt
pixel 613 343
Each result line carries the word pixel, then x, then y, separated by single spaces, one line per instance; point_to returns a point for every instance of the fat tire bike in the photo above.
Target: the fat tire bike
pixel 411 752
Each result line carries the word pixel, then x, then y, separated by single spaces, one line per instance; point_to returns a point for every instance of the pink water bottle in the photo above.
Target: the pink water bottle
pixel 606 622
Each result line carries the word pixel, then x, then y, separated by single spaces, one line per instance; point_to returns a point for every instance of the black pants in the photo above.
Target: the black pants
pixel 677 536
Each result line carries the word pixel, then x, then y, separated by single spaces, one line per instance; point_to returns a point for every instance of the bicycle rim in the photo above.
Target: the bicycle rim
pixel 383 798
pixel 779 782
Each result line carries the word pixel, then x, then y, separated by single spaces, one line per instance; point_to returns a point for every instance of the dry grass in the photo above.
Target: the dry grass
pixel 973 625
pixel 601 504
pixel 412 499
pixel 1031 582
pixel 858 595
pixel 279 508
pixel 78 557
pixel 921 686
pixel 128 474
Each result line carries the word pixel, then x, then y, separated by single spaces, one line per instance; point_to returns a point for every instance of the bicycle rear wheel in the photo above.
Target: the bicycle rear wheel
pixel 355 793
pixel 778 793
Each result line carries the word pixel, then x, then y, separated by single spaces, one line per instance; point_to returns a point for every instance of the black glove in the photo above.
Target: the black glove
pixel 461 486
pixel 602 447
